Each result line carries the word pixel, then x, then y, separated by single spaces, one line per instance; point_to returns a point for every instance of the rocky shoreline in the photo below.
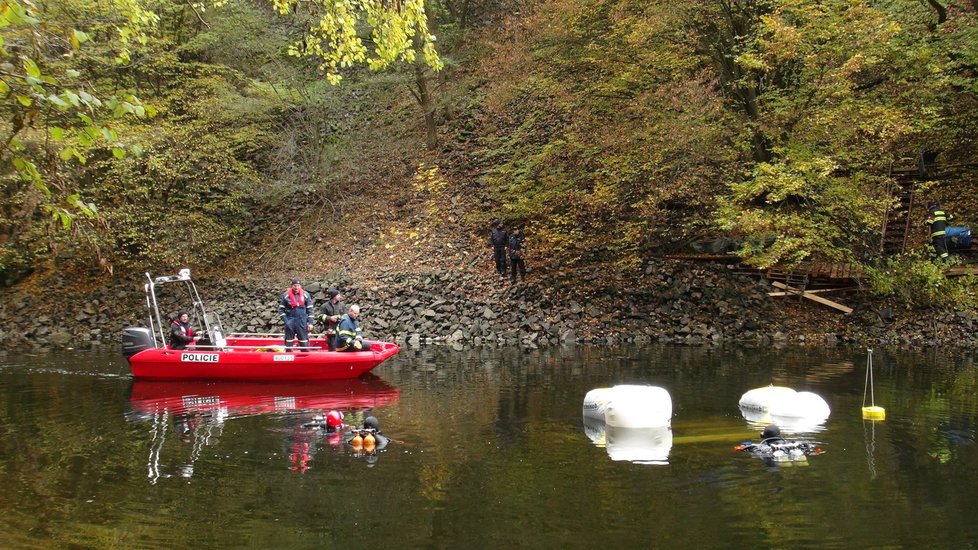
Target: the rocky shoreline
pixel 671 302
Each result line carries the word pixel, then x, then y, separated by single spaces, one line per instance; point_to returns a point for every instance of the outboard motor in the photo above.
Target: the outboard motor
pixel 135 340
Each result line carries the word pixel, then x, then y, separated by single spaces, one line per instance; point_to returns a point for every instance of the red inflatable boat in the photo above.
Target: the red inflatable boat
pixel 236 356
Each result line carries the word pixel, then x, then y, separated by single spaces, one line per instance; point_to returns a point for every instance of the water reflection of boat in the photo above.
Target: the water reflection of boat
pixel 246 398
pixel 195 411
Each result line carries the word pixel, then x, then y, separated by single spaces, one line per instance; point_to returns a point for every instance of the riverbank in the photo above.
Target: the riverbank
pixel 670 301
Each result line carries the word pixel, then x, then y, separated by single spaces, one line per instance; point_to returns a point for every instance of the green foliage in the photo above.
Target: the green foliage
pixel 919 281
pixel 56 117
pixel 72 75
pixel 617 142
pixel 838 91
pixel 636 125
pixel 334 37
pixel 809 211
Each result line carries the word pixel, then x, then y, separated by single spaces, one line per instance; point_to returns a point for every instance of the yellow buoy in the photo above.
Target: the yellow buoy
pixel 369 442
pixel 872 412
pixel 356 442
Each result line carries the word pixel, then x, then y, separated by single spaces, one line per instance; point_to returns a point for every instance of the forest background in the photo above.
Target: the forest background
pixel 250 137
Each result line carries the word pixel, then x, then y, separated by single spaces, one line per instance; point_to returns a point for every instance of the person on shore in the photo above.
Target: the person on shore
pixel 296 310
pixel 937 220
pixel 181 333
pixel 330 314
pixel 349 337
pixel 498 239
pixel 516 260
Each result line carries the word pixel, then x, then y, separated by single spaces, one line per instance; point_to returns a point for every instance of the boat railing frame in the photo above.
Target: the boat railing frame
pixel 276 335
pixel 210 321
pixel 263 348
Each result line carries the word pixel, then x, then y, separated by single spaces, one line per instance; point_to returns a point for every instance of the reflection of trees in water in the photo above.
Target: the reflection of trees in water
pixel 940 397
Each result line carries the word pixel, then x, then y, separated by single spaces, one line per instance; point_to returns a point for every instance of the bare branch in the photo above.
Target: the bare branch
pixel 199 18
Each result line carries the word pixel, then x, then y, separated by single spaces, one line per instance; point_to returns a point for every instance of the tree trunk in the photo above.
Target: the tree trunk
pixel 465 14
pixel 423 96
pixel 941 11
pixel 734 20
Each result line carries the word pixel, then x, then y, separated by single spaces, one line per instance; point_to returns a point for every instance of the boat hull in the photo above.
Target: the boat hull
pixel 258 359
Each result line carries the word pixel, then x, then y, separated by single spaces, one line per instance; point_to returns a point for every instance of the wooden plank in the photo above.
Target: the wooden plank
pixel 959 270
pixel 702 257
pixel 816 291
pixel 814 297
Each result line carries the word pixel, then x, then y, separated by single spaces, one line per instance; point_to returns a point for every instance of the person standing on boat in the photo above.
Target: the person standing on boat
pixel 498 241
pixel 330 314
pixel 349 337
pixel 181 333
pixel 296 310
pixel 937 220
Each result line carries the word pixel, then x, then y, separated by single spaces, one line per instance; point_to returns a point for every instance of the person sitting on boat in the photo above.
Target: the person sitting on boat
pixel 330 314
pixel 775 448
pixel 349 337
pixel 181 333
pixel 296 310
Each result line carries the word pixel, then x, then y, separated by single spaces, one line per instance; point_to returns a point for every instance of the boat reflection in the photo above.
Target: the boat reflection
pixel 196 411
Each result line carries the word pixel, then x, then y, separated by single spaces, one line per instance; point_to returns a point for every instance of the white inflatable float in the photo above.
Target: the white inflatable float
pixel 628 406
pixel 631 422
pixel 792 410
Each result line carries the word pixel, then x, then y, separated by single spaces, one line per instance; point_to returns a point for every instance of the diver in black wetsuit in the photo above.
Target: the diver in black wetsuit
pixel 773 448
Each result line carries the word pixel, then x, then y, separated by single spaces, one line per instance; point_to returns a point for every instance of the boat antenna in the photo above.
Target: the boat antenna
pixel 872 412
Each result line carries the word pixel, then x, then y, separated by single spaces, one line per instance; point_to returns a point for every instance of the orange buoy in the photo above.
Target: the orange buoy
pixel 369 442
pixel 357 441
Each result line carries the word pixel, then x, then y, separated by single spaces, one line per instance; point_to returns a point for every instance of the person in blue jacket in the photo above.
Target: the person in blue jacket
pixel 296 310
pixel 349 337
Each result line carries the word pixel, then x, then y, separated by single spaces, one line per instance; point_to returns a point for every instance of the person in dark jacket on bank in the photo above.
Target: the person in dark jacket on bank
pixel 296 310
pixel 181 333
pixel 498 240
pixel 937 220
pixel 516 260
pixel 330 314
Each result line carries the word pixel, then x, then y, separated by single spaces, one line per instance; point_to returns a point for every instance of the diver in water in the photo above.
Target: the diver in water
pixel 773 448
pixel 368 441
pixel 333 426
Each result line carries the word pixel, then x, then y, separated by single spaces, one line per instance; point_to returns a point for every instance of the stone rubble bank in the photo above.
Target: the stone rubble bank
pixel 670 302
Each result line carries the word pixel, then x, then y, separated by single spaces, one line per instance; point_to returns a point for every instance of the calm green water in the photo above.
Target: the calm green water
pixel 488 451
